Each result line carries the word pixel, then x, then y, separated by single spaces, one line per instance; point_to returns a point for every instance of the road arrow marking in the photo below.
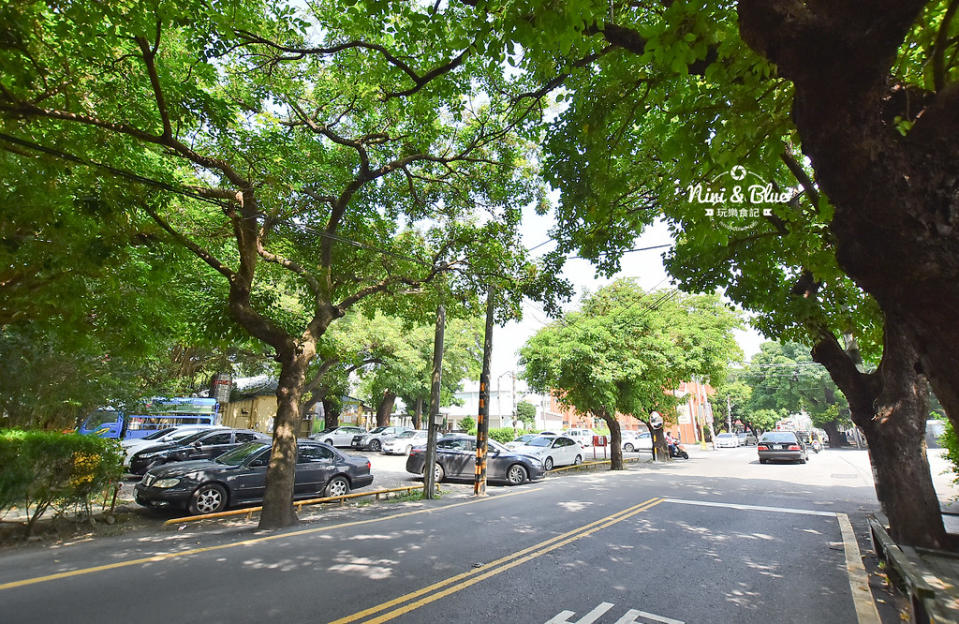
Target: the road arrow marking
pixel 632 614
pixel 589 618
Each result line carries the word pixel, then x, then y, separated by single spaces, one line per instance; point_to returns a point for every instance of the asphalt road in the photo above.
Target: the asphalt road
pixel 716 539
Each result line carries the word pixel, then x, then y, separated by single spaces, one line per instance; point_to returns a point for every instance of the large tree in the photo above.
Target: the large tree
pixel 677 102
pixel 625 348
pixel 324 156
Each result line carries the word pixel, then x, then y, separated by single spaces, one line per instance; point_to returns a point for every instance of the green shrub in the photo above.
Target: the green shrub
pixel 950 441
pixel 44 470
pixel 500 434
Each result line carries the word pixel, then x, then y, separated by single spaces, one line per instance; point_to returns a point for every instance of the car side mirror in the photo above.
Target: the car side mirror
pixel 197 444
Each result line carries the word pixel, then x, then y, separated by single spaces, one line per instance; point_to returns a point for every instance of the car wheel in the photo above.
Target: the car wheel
pixel 375 445
pixel 578 460
pixel 328 441
pixel 548 464
pixel 628 447
pixel 438 473
pixel 516 475
pixel 338 486
pixel 208 498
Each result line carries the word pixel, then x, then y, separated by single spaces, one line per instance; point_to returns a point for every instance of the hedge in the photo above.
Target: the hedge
pixel 45 470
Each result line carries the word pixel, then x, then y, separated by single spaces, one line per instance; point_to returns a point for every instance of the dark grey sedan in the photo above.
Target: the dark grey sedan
pixel 781 445
pixel 456 457
pixel 238 477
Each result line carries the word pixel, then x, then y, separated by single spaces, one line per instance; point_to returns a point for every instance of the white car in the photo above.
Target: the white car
pixel 402 443
pixel 376 437
pixel 132 446
pixel 583 436
pixel 636 441
pixel 553 450
pixel 727 440
pixel 339 436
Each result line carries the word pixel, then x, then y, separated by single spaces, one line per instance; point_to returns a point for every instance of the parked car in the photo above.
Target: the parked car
pixel 746 438
pixel 583 436
pixel 200 445
pixel 781 445
pixel 727 440
pixel 523 439
pixel 456 457
pixel 376 437
pixel 238 477
pixel 553 450
pixel 338 436
pixel 401 444
pixel 169 435
pixel 637 440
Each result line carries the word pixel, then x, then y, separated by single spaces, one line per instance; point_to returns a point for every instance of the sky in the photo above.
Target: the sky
pixel 645 266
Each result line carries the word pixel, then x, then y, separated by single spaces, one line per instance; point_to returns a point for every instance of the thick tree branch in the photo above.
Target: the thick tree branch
pixel 185 241
pixel 149 56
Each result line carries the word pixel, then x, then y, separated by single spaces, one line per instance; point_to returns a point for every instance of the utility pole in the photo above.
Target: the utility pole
pixel 482 420
pixel 429 472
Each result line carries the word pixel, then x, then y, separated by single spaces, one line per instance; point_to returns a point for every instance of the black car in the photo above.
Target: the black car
pixel 456 457
pixel 205 444
pixel 238 477
pixel 781 445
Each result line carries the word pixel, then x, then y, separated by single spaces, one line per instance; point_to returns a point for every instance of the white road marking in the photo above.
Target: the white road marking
pixel 589 618
pixel 632 614
pixel 805 512
pixel 858 579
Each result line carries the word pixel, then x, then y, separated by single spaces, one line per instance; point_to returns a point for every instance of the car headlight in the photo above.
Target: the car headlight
pixel 165 483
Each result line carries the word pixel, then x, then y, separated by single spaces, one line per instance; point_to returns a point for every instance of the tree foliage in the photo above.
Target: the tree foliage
pixel 625 349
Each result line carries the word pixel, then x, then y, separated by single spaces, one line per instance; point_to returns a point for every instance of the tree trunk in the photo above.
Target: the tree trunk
pixel 832 430
pixel 278 497
pixel 331 414
pixel 615 442
pixel 890 407
pixel 418 413
pixel 385 409
pixel 660 449
pixel 896 198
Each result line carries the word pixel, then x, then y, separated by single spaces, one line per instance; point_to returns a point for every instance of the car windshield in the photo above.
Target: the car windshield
pixel 779 436
pixel 329 430
pixel 159 433
pixel 725 435
pixel 377 429
pixel 407 434
pixel 540 441
pixel 238 455
pixel 193 437
pixel 179 435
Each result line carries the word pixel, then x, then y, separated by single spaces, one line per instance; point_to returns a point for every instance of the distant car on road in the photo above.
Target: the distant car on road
pixel 402 443
pixel 238 477
pixel 456 457
pixel 376 437
pixel 338 436
pixel 636 441
pixel 727 440
pixel 781 446
pixel 553 450
pixel 746 438
pixel 200 445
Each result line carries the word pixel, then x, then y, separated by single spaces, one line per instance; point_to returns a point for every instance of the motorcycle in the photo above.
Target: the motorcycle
pixel 676 450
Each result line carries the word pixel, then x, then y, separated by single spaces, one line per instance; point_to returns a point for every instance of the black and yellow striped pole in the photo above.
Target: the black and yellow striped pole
pixel 482 420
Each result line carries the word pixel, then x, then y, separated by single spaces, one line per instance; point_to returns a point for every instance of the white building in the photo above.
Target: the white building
pixel 504 396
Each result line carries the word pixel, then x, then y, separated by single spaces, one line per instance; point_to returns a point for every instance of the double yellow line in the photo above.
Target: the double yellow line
pixel 456 583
